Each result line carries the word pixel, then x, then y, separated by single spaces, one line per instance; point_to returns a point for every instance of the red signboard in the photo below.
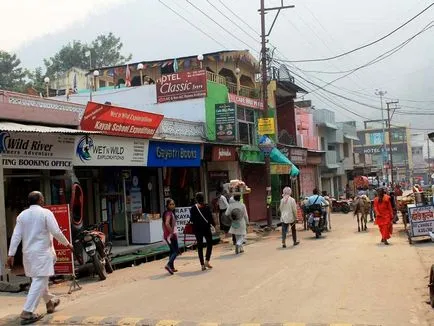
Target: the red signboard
pixel 181 86
pixel 246 101
pixel 65 261
pixel 224 153
pixel 116 121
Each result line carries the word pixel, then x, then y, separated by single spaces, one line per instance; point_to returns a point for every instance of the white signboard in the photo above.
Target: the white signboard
pixel 100 150
pixel 36 150
pixel 421 220
pixel 182 217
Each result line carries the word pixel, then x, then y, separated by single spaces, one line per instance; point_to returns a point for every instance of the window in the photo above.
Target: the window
pixel 246 125
pixel 346 150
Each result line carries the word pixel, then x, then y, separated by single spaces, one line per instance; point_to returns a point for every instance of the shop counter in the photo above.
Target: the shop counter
pixel 145 232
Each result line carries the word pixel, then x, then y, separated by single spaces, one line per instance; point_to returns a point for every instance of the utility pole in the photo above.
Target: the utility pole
pixel 390 139
pixel 264 67
pixel 429 160
pixel 383 154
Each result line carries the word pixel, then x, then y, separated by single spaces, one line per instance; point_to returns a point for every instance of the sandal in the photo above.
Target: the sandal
pixel 52 305
pixel 33 318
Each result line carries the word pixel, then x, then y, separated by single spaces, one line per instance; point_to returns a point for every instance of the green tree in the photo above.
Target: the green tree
pixel 12 76
pixel 104 51
pixel 36 80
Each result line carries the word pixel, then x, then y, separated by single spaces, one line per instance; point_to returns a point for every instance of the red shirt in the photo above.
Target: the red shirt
pixel 166 231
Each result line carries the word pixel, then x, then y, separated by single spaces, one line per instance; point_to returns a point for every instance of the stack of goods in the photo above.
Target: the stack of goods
pixel 238 187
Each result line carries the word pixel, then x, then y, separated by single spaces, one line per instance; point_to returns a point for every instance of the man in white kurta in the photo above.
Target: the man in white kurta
pixel 35 228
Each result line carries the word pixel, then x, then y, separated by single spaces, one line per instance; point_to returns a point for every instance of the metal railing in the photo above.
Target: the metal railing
pixel 232 87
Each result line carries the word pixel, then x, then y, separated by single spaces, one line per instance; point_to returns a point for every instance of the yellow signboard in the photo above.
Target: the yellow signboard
pixel 266 126
pixel 280 168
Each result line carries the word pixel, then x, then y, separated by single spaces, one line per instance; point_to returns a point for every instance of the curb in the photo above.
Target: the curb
pixel 138 321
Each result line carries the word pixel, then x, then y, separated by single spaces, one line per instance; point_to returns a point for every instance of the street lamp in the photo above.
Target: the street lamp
pixel 95 75
pixel 140 68
pixel 47 82
pixel 200 58
pixel 238 74
pixel 381 93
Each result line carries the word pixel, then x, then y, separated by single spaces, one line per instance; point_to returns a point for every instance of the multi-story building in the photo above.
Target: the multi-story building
pixel 423 153
pixel 373 151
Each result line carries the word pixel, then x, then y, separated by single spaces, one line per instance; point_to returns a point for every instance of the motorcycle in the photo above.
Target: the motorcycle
pixel 92 251
pixel 340 206
pixel 317 222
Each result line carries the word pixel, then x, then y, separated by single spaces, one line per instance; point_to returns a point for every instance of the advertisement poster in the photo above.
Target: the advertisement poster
pixel 65 261
pixel 117 121
pixel 266 126
pixel 421 220
pixel 225 120
pixel 181 86
pixel 182 217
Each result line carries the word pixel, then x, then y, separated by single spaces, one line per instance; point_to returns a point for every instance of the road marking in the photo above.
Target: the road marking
pixel 128 321
pixel 93 320
pixel 168 323
pixel 341 324
pixel 59 319
pixel 294 324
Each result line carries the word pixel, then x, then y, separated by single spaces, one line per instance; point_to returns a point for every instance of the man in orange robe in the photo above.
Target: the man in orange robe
pixel 384 215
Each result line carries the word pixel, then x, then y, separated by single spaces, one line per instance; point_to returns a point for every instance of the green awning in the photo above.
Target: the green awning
pixel 277 156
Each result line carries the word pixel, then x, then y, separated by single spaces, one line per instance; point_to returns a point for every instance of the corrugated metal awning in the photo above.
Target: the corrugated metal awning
pixel 330 125
pixel 18 127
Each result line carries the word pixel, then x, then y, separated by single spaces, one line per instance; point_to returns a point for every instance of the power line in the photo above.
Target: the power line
pixel 368 44
pixel 239 18
pixel 232 21
pixel 222 27
pixel 190 23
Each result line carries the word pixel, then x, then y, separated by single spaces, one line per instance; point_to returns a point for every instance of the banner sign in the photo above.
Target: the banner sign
pixel 246 101
pixel 163 154
pixel 266 126
pixel 100 150
pixel 182 215
pixel 36 150
pixel 421 220
pixel 181 86
pixel 280 169
pixel 225 120
pixel 224 153
pixel 116 121
pixel 377 149
pixel 65 262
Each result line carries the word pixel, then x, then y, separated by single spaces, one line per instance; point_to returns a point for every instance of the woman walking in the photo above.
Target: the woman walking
pixel 238 213
pixel 288 216
pixel 383 215
pixel 170 234
pixel 201 217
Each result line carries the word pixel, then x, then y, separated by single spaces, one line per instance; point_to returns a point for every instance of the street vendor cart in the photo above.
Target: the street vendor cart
pixel 421 219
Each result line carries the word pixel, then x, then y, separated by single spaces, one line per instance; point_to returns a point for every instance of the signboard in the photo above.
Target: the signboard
pixel 117 121
pixel 246 101
pixel 182 215
pixel 377 149
pixel 224 153
pixel 162 154
pixel 266 126
pixel 65 262
pixel 421 220
pixel 296 155
pixel 280 169
pixel 376 138
pixel 225 120
pixel 100 150
pixel 181 86
pixel 36 150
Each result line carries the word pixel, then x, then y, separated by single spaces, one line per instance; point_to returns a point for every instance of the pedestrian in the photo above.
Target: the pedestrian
pixel 223 206
pixel 288 216
pixel 371 193
pixel 35 228
pixel 327 210
pixel 384 215
pixel 170 234
pixel 201 217
pixel 238 213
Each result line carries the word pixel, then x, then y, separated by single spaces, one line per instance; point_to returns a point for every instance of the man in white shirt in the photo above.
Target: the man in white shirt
pixel 35 228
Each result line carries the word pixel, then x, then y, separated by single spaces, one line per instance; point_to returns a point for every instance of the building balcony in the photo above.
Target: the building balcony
pixel 331 160
pixel 309 142
pixel 232 87
pixel 325 118
pixel 335 136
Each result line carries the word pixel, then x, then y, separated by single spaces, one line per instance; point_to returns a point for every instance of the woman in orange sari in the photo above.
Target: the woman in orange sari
pixel 384 215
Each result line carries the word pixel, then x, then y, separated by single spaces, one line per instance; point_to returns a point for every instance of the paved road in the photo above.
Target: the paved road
pixel 345 277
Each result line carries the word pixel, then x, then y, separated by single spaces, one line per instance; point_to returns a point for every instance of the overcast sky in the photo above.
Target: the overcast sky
pixel 313 29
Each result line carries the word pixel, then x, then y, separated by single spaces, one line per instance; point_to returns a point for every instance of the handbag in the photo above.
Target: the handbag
pixel 206 221
pixel 188 229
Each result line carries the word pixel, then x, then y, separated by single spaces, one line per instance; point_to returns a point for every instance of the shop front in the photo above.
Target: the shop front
pixel 119 189
pixel 221 166
pixel 309 174
pixel 37 158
